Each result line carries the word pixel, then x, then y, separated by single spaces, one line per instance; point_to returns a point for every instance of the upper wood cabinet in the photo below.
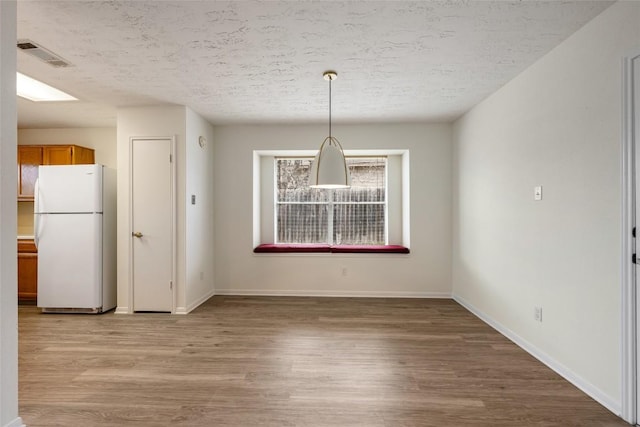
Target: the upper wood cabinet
pixel 32 156
pixel 29 158
pixel 67 155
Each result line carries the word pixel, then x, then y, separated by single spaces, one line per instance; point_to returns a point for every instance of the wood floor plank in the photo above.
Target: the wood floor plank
pixel 285 361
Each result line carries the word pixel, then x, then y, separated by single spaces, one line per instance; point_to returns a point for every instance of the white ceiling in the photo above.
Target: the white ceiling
pixel 262 61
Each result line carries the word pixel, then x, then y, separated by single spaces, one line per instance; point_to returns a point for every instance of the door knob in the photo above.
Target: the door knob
pixel 137 234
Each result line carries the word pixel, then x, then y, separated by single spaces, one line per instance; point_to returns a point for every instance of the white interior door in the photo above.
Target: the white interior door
pixel 630 302
pixel 636 143
pixel 152 221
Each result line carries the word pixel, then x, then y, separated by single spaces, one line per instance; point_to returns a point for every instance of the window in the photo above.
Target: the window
pixel 285 209
pixel 354 216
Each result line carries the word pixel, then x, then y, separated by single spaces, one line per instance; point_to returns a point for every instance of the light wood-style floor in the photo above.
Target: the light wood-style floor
pixel 262 361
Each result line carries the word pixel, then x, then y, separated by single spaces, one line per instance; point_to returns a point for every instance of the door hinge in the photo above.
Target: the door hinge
pixel 170 158
pixel 633 232
pixel 171 281
pixel 633 258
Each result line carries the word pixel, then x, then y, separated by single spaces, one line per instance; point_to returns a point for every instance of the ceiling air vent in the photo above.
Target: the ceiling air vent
pixel 42 54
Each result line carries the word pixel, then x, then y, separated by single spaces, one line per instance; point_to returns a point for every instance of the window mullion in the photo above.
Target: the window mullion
pixel 330 218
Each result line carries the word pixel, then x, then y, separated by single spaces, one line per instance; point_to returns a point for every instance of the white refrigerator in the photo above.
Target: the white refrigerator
pixel 75 233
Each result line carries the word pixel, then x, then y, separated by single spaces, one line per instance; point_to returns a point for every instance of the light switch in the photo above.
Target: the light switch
pixel 537 193
pixel 193 199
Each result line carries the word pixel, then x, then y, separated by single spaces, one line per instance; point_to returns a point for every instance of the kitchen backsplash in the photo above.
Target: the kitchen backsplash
pixel 25 218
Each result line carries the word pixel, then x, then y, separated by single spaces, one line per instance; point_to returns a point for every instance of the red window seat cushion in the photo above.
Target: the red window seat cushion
pixel 286 248
pixel 369 249
pixel 337 249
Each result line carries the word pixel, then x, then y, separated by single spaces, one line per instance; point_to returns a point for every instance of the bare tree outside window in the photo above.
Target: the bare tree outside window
pixel 354 216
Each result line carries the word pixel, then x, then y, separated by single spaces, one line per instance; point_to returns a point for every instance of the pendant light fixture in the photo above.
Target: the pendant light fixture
pixel 329 168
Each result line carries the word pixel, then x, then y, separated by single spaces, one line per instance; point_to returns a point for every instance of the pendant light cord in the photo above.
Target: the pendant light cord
pixel 330 107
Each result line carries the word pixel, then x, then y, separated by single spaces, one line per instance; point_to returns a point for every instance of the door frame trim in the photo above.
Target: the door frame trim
pixel 174 227
pixel 629 327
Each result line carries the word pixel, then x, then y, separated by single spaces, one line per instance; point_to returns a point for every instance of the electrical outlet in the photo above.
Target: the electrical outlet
pixel 344 271
pixel 202 275
pixel 537 314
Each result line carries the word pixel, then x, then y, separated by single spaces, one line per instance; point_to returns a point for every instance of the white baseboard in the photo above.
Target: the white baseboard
pixel 594 392
pixel 195 304
pixel 327 293
pixel 122 310
pixel 15 423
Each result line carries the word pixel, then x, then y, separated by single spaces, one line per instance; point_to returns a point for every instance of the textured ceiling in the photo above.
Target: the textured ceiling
pixel 262 62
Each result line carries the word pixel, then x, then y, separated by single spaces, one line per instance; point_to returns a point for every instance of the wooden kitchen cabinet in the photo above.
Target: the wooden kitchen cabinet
pixel 67 155
pixel 32 156
pixel 29 158
pixel 27 270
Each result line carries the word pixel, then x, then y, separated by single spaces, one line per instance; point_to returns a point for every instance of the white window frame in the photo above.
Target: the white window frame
pixel 398 194
pixel 330 204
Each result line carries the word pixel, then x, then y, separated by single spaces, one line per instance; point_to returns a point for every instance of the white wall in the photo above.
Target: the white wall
pixel 193 176
pixel 558 125
pixel 199 217
pixel 8 196
pixel 424 272
pixel 102 140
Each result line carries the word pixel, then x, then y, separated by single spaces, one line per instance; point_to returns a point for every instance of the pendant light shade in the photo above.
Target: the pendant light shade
pixel 329 167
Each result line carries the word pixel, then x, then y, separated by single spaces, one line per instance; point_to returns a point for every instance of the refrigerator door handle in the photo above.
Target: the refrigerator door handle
pixel 36 216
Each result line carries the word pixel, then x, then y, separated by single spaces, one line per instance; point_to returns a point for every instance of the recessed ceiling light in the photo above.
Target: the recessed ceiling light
pixel 35 90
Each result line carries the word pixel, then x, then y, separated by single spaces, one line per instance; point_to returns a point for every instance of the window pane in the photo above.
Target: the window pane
pixel 357 215
pixel 298 223
pixel 368 180
pixel 292 180
pixel 359 224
